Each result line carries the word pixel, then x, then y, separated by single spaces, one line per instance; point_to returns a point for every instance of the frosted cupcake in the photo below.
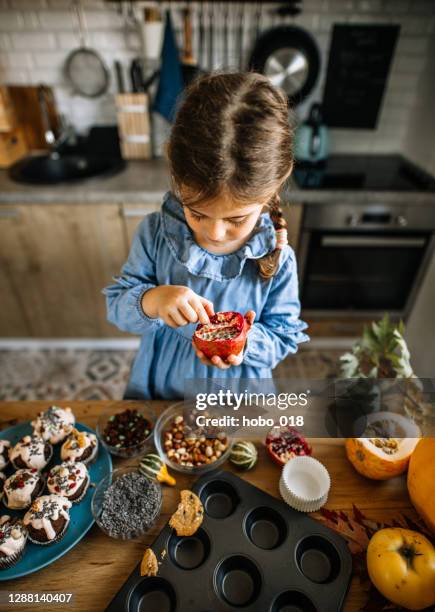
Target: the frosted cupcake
pixel 79 446
pixel 13 536
pixel 48 519
pixel 2 483
pixel 5 445
pixel 54 424
pixel 69 479
pixel 22 488
pixel 31 452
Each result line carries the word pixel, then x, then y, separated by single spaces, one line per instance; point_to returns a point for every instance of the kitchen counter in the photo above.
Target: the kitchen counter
pixel 145 182
pixel 97 567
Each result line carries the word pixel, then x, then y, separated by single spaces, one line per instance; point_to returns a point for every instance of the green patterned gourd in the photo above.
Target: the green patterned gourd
pixel 151 465
pixel 244 455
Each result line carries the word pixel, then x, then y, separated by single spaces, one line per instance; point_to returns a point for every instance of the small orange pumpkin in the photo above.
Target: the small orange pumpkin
pixel 421 480
pixel 383 458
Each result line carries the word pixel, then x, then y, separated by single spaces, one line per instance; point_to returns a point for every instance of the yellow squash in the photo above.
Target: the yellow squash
pixel 401 565
pixel 421 480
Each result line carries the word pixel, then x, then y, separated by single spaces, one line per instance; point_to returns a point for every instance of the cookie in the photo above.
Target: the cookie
pixel 189 514
pixel 149 565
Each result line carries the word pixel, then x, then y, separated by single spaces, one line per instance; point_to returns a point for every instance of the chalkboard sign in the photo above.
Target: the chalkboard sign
pixel 358 66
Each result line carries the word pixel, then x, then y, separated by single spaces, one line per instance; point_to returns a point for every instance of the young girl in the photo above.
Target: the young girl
pixel 212 248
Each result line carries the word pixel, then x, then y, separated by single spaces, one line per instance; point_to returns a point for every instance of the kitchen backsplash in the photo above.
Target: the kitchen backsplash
pixel 36 36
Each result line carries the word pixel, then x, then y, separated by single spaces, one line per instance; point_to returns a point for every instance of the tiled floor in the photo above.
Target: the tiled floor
pixel 80 374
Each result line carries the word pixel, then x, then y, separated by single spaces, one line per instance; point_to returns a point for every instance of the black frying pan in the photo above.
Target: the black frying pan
pixel 289 56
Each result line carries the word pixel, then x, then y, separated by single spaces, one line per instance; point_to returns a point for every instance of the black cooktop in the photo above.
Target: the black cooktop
pixel 363 172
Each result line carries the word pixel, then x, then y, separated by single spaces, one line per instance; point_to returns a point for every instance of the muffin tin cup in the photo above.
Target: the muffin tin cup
pixel 252 552
pixel 11 560
pixel 304 484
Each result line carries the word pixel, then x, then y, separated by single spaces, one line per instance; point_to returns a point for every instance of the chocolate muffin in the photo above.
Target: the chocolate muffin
pixel 79 446
pixel 48 519
pixel 22 488
pixel 13 536
pixel 69 479
pixel 5 445
pixel 31 452
pixel 54 424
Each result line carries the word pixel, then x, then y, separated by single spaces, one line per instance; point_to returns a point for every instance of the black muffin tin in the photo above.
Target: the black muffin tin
pixel 251 553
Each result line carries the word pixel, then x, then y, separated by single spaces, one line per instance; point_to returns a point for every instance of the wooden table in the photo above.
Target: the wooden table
pixel 97 567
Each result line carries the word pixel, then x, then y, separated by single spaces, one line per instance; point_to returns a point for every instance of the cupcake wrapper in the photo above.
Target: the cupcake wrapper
pixel 54 541
pixel 9 561
pixel 301 506
pixel 297 499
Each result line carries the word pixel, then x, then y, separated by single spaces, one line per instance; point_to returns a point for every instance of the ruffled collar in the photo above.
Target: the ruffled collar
pixel 203 263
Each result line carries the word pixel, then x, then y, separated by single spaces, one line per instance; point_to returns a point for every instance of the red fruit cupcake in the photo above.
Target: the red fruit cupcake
pixel 69 479
pixel 22 488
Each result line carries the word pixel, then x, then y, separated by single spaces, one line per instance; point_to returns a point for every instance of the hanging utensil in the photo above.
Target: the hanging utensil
pixel 240 35
pixel 226 54
pixel 289 56
pixel 84 68
pixel 201 28
pixel 119 77
pixel 210 38
pixel 188 62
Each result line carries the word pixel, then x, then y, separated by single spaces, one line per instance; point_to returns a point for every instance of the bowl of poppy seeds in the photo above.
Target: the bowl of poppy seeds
pixel 126 504
pixel 127 433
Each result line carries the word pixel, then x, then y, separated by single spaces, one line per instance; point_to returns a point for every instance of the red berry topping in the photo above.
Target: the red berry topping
pixel 57 488
pixel 72 485
pixel 20 484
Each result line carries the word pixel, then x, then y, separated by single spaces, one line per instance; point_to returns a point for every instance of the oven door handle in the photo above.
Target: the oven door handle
pixel 372 241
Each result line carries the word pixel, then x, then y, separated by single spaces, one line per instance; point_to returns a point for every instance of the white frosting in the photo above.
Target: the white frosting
pixel 4 444
pixel 66 478
pixel 13 535
pixel 31 450
pixel 46 509
pixel 76 443
pixel 21 497
pixel 54 424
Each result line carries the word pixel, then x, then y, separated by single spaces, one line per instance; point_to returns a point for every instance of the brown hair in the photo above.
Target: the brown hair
pixel 232 134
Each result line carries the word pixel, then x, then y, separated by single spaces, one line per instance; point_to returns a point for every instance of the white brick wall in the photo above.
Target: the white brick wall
pixel 36 36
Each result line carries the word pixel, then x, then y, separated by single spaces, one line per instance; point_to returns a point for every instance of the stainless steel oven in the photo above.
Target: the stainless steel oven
pixel 364 260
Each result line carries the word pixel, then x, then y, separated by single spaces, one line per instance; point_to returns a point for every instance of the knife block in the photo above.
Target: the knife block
pixel 134 125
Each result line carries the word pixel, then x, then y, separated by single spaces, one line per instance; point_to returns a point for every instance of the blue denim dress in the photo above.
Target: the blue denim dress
pixel 164 252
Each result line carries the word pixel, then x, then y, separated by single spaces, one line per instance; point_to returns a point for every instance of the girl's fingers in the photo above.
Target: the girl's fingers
pixel 201 312
pixel 235 360
pixel 208 306
pixel 217 361
pixel 250 317
pixel 188 312
pixel 177 317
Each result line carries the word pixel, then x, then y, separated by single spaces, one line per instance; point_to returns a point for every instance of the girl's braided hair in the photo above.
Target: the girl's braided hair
pixel 233 133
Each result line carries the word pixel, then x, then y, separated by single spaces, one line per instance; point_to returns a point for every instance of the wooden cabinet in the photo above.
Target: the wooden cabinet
pixel 55 259
pixel 133 215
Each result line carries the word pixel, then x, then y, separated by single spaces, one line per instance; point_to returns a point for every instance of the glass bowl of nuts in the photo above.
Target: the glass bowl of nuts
pixel 186 447
pixel 126 432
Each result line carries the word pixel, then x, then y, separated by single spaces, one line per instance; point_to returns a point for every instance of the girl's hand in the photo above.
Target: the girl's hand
pixel 232 360
pixel 176 305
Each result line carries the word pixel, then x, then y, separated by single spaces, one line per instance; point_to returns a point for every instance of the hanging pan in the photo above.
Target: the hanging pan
pixel 84 68
pixel 289 57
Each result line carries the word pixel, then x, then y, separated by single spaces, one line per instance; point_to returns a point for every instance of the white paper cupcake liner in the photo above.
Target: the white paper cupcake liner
pixel 305 484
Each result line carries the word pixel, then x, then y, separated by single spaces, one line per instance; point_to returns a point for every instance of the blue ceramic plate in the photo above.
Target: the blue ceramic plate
pixel 36 557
